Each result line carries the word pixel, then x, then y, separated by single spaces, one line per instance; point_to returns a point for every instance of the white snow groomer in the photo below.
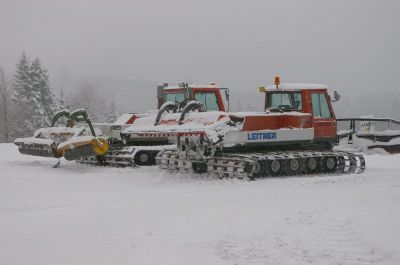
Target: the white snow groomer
pixel 294 136
pixel 126 148
pixel 72 142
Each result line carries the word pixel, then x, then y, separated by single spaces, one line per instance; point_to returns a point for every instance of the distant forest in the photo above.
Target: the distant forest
pixel 30 95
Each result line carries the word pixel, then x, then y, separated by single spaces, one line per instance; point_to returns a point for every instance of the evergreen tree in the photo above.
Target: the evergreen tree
pixel 113 114
pixel 34 99
pixel 62 104
pixel 6 108
pixel 21 83
pixel 25 99
pixel 40 83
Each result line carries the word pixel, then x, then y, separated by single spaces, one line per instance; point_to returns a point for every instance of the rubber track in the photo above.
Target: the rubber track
pixel 119 157
pixel 258 165
pixel 110 159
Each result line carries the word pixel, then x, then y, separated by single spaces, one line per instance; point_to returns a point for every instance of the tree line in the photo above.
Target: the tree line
pixel 28 102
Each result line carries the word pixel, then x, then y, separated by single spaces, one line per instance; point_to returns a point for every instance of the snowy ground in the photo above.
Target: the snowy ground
pixel 79 214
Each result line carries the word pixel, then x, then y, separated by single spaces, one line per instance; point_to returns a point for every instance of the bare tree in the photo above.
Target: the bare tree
pixel 6 105
pixel 86 97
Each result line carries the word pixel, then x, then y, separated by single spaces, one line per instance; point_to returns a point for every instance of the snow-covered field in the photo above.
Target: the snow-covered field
pixel 78 214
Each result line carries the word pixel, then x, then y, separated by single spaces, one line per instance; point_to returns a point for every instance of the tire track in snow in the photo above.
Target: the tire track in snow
pixel 304 239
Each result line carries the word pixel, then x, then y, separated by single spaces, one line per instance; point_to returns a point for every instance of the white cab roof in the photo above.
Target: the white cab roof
pixel 194 86
pixel 296 86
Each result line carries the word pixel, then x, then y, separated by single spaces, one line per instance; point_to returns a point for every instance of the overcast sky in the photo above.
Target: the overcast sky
pixel 353 46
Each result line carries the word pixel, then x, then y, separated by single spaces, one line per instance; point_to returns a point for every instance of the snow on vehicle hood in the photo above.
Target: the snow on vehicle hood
pixel 213 124
pixel 169 122
pixel 75 140
pixel 50 135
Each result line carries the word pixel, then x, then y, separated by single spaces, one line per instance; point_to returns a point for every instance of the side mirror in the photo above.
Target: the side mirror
pixel 227 96
pixel 336 96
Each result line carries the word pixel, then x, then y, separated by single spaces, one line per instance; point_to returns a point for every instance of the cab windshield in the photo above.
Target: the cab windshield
pixel 175 97
pixel 284 101
pixel 208 99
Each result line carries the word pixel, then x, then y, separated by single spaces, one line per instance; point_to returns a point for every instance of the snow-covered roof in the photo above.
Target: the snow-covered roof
pixel 124 118
pixel 263 114
pixel 195 86
pixel 296 86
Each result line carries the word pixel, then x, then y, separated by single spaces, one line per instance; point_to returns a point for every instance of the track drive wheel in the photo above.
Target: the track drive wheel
pixel 311 165
pixel 294 166
pixel 258 169
pixel 275 167
pixel 249 169
pixel 330 164
pixel 144 158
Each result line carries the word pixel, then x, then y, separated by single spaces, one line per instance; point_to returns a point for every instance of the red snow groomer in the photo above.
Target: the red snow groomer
pixel 294 136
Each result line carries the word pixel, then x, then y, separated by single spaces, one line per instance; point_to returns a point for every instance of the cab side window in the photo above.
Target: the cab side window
pixel 320 106
pixel 208 99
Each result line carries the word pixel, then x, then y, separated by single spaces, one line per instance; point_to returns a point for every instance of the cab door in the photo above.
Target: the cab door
pixel 323 116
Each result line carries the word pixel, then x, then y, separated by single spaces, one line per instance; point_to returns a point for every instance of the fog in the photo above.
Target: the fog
pixel 127 47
